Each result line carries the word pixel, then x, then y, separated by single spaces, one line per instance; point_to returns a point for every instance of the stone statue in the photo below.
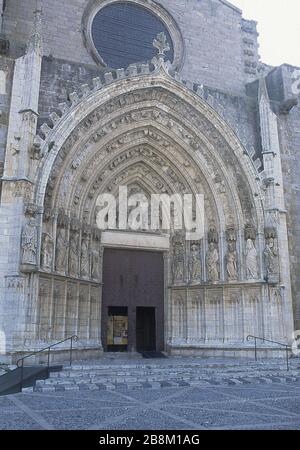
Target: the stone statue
pixel 231 263
pixel 251 260
pixel 61 250
pixel 195 263
pixel 95 264
pixel 47 251
pixel 84 258
pixel 178 263
pixel 73 255
pixel 29 243
pixel 212 262
pixel 271 259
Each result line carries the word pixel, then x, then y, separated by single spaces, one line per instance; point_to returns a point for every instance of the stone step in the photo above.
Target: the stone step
pixel 125 370
pixel 137 373
pixel 101 366
pixel 152 378
pixel 165 372
pixel 44 387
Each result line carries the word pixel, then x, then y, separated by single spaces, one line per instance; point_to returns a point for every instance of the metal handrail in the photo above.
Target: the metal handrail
pixel 21 360
pixel 287 347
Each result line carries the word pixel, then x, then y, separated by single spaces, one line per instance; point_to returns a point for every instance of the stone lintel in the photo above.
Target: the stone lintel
pixel 145 241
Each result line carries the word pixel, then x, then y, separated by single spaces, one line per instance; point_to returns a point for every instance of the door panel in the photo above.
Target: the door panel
pixel 133 278
pixel 145 329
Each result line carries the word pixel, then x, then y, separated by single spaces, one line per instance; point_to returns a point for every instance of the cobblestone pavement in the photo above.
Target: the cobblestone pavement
pixel 266 406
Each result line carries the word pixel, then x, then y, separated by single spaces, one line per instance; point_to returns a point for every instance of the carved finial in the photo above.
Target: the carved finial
pixel 35 40
pixel 161 44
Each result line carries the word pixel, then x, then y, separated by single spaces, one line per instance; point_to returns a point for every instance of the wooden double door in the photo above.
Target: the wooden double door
pixel 132 300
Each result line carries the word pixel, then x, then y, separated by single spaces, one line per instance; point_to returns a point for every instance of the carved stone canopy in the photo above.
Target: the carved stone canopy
pixel 177 239
pixel 231 235
pixel 250 232
pixel 270 233
pixel 213 236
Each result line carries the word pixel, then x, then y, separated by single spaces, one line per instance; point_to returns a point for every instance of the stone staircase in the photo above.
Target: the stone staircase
pixel 133 373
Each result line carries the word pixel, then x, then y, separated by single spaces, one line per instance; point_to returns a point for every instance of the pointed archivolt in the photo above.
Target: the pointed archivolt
pixel 91 112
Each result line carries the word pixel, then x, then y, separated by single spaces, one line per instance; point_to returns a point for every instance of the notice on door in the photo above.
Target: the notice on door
pixel 117 331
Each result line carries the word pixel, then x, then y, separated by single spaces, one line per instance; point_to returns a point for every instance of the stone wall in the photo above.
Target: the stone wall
pixel 6 76
pixel 241 114
pixel 68 308
pixel 59 78
pixel 282 88
pixel 228 314
pixel 290 144
pixel 221 48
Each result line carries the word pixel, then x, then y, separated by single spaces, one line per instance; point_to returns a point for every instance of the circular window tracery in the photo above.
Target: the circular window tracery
pixel 123 34
pixel 119 33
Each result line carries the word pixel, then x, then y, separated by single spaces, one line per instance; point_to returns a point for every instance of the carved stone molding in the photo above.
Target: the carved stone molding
pixel 15 282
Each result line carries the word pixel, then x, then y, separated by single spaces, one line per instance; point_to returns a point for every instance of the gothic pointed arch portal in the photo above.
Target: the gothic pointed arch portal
pixel 149 132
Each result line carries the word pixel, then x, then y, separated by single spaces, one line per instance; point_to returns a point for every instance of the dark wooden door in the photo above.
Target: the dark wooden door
pixel 145 329
pixel 132 279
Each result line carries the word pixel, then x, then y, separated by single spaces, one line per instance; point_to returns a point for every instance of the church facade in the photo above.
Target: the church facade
pixel 164 98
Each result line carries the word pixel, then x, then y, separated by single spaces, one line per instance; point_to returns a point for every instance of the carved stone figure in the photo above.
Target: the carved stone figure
pixel 212 263
pixel 195 263
pixel 73 255
pixel 84 258
pixel 271 259
pixel 29 243
pixel 61 250
pixel 251 260
pixel 178 258
pixel 231 263
pixel 95 264
pixel 47 251
pixel 178 263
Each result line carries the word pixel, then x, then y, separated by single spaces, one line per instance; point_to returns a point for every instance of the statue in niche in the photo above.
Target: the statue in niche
pixel 271 259
pixel 231 263
pixel 195 263
pixel 29 243
pixel 212 262
pixel 47 251
pixel 95 264
pixel 178 262
pixel 61 250
pixel 251 260
pixel 73 255
pixel 84 258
